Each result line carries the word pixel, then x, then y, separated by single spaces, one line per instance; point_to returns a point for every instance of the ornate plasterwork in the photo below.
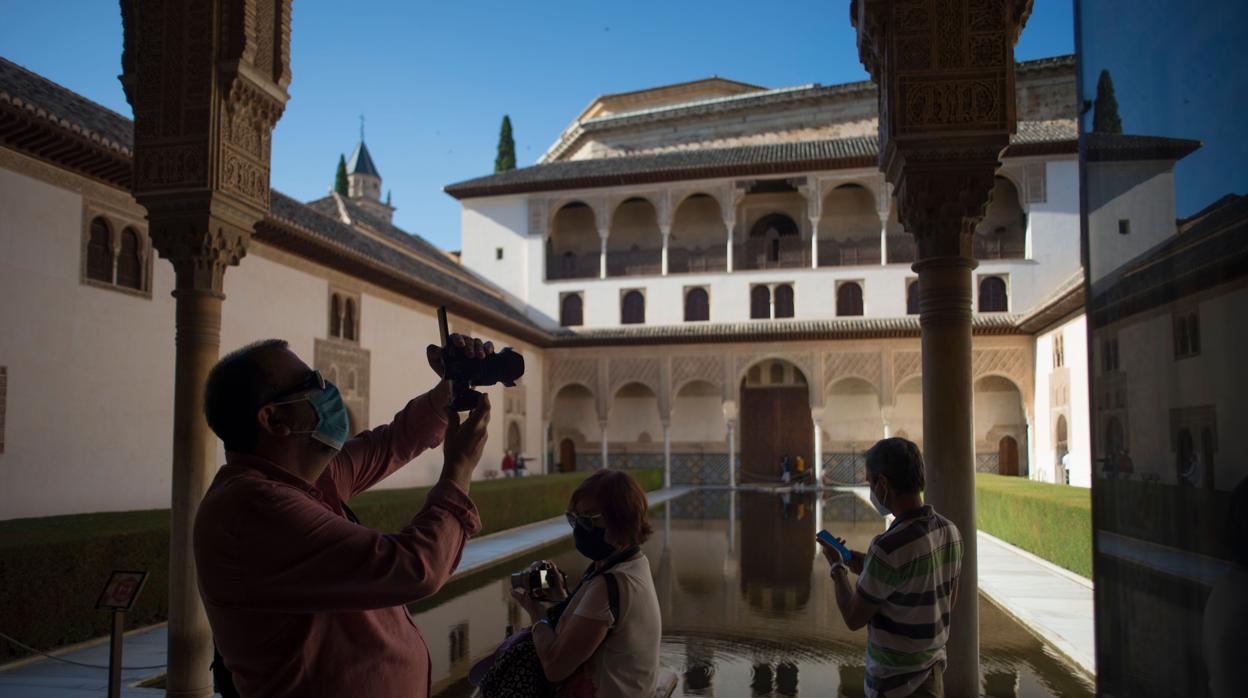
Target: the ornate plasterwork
pixel 643 370
pixel 686 369
pixel 906 365
pixel 1010 362
pixel 562 372
pixel 860 364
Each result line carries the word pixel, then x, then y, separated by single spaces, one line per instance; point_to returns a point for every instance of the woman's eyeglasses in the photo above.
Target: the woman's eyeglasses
pixel 585 522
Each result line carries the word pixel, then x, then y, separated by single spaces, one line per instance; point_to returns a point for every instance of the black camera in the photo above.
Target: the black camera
pixel 464 373
pixel 536 580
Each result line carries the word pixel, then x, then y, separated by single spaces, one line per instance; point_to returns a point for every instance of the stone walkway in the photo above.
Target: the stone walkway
pixel 46 678
pixel 1053 603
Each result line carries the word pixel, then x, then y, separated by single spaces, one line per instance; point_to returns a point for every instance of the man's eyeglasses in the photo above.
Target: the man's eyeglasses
pixel 313 381
pixel 585 522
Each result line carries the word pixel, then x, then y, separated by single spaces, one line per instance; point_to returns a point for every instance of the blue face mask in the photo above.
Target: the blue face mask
pixel 332 421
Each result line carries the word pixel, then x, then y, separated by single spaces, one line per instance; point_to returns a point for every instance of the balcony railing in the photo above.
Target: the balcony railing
pixel 777 253
pixel 901 248
pixel 697 260
pixel 571 265
pixel 840 253
pixel 634 262
pixel 1011 244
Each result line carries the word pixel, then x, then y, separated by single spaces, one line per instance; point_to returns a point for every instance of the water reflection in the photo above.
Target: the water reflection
pixel 748 609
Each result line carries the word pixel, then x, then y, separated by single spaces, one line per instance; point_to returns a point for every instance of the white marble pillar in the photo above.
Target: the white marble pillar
pixel 884 238
pixel 732 454
pixel 729 224
pixel 603 424
pixel 666 232
pixel 814 243
pixel 818 469
pixel 667 455
pixel 602 256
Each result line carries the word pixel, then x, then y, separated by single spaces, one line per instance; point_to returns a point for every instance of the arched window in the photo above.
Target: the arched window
pixel 335 315
pixel 130 261
pixel 760 303
pixel 348 320
pixel 571 311
pixel 697 305
pixel 912 298
pixel 849 299
pixel 100 252
pixel 784 300
pixel 992 295
pixel 633 308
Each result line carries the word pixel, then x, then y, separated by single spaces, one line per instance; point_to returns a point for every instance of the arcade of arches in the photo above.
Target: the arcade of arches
pixel 732 415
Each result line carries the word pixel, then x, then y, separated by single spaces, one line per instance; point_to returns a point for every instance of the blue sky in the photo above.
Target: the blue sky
pixel 1192 86
pixel 434 79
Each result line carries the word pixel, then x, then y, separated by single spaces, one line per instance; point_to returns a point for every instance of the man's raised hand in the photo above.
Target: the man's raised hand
pixel 464 443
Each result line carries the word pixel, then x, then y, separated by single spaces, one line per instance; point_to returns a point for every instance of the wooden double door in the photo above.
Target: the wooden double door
pixel 774 421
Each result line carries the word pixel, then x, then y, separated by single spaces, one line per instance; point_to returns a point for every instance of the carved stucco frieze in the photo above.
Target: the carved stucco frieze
pixel 906 365
pixel 562 372
pixel 686 369
pixel 858 364
pixel 643 370
pixel 1010 362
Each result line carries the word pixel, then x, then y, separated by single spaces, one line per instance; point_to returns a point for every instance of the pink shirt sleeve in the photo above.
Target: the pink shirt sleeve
pixel 371 456
pixel 286 552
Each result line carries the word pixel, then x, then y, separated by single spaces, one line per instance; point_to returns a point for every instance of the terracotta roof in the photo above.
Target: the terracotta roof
pixel 767 159
pixel 1064 302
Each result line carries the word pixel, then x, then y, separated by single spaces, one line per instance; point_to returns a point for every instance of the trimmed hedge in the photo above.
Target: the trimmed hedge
pixel 52 569
pixel 1050 521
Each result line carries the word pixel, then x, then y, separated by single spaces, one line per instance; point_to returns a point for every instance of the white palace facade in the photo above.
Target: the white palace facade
pixel 704 276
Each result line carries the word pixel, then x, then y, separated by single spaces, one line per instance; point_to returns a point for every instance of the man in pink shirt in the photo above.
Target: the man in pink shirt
pixel 302 601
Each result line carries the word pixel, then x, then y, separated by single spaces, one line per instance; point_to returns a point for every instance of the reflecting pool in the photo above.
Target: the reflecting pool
pixel 748 607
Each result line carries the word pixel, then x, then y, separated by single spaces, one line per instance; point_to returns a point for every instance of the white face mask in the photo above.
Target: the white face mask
pixel 883 510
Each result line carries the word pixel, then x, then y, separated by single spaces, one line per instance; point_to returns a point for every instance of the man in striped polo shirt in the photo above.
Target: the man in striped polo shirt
pixel 907 580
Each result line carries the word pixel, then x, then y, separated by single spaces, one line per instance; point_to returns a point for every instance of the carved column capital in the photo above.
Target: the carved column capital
pixel 207 80
pixel 941 201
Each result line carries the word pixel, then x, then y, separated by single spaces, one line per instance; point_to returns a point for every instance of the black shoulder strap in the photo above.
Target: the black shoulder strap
pixel 613 597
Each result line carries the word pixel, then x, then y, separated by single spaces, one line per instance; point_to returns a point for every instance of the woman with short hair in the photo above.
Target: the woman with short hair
pixel 620 653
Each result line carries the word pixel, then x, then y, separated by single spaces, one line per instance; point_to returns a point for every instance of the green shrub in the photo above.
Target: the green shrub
pixel 1053 522
pixel 53 568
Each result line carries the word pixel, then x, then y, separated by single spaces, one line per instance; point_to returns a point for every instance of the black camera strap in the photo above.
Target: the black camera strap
pixel 613 593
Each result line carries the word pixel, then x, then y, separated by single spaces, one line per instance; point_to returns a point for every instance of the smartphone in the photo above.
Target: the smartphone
pixel 832 541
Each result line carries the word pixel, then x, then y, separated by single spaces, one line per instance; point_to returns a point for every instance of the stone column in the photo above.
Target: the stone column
pixel 207 80
pixel 666 232
pixel 947 109
pixel 814 243
pixel 732 453
pixel 602 255
pixel 818 464
pixel 603 423
pixel 667 455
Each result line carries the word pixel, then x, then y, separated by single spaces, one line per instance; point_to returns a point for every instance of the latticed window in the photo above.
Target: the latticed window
pixel 993 297
pixel 784 301
pixel 849 299
pixel 130 261
pixel 349 328
pixel 335 315
pixel 572 311
pixel 760 303
pixel 697 305
pixel 100 252
pixel 633 308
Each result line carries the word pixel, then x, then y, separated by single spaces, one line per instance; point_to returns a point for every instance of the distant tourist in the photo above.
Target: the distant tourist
pixel 302 599
pixel 1226 611
pixel 509 464
pixel 786 469
pixel 593 650
pixel 907 580
pixel 520 465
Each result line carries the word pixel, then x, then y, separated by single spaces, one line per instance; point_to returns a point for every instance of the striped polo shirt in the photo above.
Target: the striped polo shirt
pixel 909 571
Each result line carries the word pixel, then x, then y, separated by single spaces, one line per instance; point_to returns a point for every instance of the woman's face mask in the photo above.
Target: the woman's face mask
pixel 592 543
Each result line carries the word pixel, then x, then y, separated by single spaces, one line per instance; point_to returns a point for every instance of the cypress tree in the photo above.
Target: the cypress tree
pixel 1105 117
pixel 340 179
pixel 506 159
